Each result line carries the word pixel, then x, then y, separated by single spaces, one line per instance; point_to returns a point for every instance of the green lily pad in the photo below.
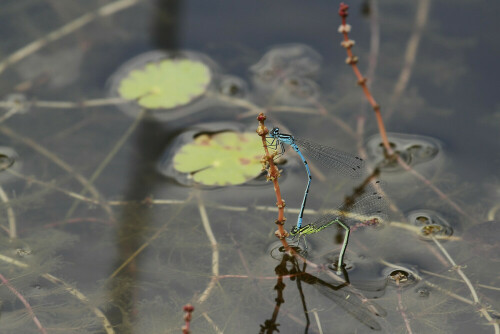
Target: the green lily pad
pixel 166 84
pixel 225 158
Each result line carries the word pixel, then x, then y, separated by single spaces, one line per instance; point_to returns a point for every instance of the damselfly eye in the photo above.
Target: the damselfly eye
pixel 294 230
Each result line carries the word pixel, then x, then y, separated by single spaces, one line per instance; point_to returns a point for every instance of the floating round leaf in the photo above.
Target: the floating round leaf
pixel 225 158
pixel 166 84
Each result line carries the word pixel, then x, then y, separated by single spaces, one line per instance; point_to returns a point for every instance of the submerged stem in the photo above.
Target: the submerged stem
pixel 215 251
pixel 65 30
pixel 10 214
pixel 108 159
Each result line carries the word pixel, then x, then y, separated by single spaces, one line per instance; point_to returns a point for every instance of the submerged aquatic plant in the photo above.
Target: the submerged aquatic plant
pixel 178 260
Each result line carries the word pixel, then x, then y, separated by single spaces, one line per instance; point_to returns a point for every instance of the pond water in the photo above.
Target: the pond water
pixel 114 217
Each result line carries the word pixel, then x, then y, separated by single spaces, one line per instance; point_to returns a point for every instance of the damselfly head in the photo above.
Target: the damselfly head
pixel 294 230
pixel 275 131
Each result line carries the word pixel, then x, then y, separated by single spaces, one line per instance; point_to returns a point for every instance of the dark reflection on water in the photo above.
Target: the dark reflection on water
pixel 134 226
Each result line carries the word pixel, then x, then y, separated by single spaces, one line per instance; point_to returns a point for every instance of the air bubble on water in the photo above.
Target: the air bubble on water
pixel 9 161
pixel 284 75
pixel 430 224
pixel 18 101
pixel 415 150
pixel 287 60
pixel 400 275
pixel 232 86
pixel 297 91
pixel 277 250
pixel 423 292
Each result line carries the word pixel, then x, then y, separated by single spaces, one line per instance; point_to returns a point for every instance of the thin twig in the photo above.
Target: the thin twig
pixel 402 309
pixel 65 30
pixel 459 280
pixel 56 160
pixel 119 144
pixel 300 110
pixel 75 292
pixel 410 54
pixel 162 229
pixel 215 251
pixel 51 185
pixel 99 314
pixel 457 268
pixel 429 184
pixel 339 122
pixel 66 104
pixel 318 323
pixel 10 214
pixel 472 290
pixel 25 302
pixel 482 309
pixel 151 201
pixel 146 201
pixel 10 113
pixel 237 102
pixel 211 322
pixel 493 211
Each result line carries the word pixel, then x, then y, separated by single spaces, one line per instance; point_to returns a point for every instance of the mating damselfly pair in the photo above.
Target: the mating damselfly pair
pixel 368 209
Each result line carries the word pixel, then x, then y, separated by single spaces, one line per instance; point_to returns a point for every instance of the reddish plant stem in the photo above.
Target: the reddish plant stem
pixel 25 302
pixel 188 308
pixel 273 174
pixel 401 309
pixel 390 154
pixel 352 60
pixel 244 262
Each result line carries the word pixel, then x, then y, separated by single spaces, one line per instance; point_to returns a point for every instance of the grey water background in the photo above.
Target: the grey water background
pixel 451 97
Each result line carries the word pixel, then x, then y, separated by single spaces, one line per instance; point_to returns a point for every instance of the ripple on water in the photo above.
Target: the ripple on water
pixel 9 161
pixel 413 149
pixel 483 238
pixel 401 275
pixel 362 272
pixel 232 86
pixel 430 223
pixel 423 292
pixel 284 74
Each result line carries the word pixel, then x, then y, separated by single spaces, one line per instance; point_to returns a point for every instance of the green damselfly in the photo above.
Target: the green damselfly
pixel 368 210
